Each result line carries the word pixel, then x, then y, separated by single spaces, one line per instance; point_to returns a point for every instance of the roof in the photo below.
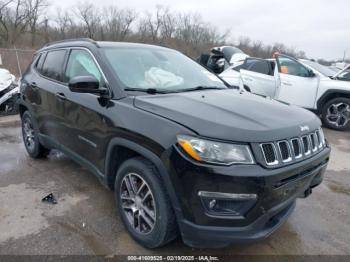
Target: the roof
pixel 87 42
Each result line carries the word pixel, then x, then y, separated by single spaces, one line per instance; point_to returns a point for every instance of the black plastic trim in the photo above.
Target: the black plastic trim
pixel 324 98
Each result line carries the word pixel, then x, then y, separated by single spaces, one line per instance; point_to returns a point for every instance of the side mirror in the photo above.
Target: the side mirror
pixel 86 84
pixel 311 73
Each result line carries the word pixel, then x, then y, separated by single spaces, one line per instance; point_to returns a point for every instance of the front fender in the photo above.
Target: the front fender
pixel 152 157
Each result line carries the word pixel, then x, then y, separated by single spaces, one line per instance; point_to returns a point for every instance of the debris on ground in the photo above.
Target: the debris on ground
pixel 50 198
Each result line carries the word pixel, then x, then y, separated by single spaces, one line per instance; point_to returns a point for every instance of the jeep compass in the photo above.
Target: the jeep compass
pixel 185 154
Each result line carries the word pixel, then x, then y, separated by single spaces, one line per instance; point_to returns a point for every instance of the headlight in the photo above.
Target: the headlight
pixel 215 152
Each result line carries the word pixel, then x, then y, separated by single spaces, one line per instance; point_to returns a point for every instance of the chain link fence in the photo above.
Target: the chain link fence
pixel 15 60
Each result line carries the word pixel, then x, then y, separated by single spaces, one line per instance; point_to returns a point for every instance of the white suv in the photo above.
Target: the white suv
pixel 299 82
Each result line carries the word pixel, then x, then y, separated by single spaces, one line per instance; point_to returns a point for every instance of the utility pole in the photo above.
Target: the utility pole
pixel 18 64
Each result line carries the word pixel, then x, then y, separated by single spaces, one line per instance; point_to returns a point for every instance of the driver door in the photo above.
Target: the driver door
pixel 297 84
pixel 84 114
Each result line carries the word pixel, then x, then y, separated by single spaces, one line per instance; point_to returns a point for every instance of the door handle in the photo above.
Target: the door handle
pixel 61 96
pixel 248 79
pixel 34 85
pixel 287 83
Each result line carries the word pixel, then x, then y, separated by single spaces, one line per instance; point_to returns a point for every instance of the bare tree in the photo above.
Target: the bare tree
pixel 90 16
pixel 118 22
pixel 34 10
pixel 64 22
pixel 22 22
pixel 150 25
pixel 13 21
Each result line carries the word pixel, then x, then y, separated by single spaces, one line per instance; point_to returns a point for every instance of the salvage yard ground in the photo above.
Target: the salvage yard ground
pixel 85 220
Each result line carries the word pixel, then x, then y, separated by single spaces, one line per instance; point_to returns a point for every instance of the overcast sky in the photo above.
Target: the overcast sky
pixel 319 27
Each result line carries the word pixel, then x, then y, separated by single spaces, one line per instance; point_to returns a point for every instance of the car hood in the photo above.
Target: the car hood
pixel 230 115
pixel 335 84
pixel 341 71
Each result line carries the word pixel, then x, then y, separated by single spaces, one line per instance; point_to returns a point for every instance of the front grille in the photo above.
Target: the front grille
pixel 306 145
pixel 285 151
pixel 269 153
pixel 314 142
pixel 296 147
pixel 293 149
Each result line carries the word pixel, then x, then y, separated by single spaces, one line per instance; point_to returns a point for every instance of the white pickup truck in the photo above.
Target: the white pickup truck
pixel 300 82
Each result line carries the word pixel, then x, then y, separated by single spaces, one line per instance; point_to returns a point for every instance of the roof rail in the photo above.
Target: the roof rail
pixel 72 40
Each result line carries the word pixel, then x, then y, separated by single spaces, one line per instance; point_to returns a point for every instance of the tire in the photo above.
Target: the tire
pixel 164 229
pixel 30 137
pixel 336 114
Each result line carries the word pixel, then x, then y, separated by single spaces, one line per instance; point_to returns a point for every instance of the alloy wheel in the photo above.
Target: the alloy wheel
pixel 137 203
pixel 338 114
pixel 28 134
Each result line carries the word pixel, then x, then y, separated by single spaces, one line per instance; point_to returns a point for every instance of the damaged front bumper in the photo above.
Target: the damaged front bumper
pixel 209 222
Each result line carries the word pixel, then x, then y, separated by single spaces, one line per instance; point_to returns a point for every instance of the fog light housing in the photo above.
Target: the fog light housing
pixel 227 204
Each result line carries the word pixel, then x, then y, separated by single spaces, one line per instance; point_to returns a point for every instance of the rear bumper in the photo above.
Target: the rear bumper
pixel 277 191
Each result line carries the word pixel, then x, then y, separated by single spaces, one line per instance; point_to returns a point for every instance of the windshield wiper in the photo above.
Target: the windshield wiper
pixel 201 88
pixel 147 90
pixel 159 91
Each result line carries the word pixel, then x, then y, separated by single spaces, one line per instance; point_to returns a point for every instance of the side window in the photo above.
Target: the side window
pixel 53 64
pixel 81 63
pixel 258 66
pixel 39 61
pixel 292 67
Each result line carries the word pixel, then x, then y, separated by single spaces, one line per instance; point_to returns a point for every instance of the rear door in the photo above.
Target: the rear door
pixel 298 85
pixel 258 76
pixel 32 94
pixel 43 84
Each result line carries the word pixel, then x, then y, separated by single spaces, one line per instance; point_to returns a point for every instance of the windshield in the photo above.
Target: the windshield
pixel 159 69
pixel 320 68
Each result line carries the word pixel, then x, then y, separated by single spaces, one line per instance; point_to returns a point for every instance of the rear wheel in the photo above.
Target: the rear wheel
pixel 336 113
pixel 31 139
pixel 143 204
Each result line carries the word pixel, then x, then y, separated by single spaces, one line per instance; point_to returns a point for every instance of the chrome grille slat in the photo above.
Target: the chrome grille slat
pixel 270 153
pixel 313 142
pixel 285 151
pixel 306 145
pixel 294 149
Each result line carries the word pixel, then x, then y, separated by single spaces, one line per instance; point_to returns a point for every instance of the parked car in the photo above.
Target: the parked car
pixel 299 82
pixel 344 74
pixel 9 92
pixel 222 57
pixel 184 153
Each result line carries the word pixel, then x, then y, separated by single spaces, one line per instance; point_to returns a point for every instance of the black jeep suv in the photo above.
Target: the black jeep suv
pixel 183 152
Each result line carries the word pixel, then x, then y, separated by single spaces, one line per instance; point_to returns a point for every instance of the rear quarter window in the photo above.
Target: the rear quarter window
pixel 38 61
pixel 53 64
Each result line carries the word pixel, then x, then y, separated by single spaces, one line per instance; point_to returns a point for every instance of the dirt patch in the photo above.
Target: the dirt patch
pixel 9 139
pixel 22 213
pixel 92 240
pixel 339 188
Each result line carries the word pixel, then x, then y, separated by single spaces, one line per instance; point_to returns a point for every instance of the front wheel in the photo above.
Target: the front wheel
pixel 143 204
pixel 336 113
